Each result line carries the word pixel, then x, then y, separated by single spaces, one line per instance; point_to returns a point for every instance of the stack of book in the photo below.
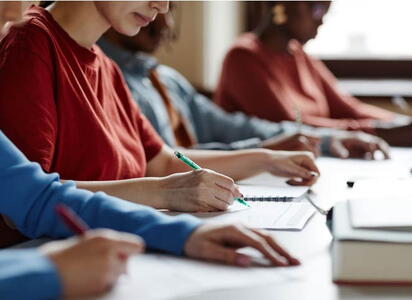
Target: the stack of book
pixel 372 241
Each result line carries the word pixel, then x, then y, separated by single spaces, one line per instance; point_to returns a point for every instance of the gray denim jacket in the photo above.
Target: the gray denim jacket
pixel 212 127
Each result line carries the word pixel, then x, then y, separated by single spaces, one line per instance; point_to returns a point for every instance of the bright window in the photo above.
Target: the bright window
pixel 365 29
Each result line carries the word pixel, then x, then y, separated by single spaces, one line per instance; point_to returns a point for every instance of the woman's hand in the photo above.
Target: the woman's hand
pixel 298 165
pixel 399 136
pixel 215 242
pixel 91 264
pixel 293 142
pixel 197 191
pixel 358 145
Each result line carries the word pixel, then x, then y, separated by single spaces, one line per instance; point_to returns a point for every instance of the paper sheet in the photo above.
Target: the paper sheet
pixel 180 277
pixel 377 211
pixel 265 214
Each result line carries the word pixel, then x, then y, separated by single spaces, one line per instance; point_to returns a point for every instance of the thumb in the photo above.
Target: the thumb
pixel 125 245
pixel 338 150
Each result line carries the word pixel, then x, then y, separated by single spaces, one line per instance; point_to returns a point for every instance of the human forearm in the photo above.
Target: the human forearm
pixel 206 190
pixel 246 163
pixel 235 164
pixel 37 218
pixel 102 211
pixel 30 197
pixel 138 190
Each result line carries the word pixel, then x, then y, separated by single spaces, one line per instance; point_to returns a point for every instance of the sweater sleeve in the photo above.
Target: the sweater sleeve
pixel 27 272
pixel 344 106
pixel 29 196
pixel 342 124
pixel 245 81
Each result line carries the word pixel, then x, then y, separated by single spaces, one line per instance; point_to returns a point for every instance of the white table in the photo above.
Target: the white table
pixel 156 276
pixel 377 87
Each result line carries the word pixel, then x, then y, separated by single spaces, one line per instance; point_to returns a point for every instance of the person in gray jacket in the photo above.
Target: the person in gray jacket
pixel 170 102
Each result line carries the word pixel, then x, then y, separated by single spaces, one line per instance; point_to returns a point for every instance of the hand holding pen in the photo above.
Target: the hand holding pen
pixel 194 166
pixel 200 190
pixel 91 263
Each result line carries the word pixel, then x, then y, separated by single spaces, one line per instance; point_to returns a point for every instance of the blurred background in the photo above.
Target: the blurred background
pixel 366 44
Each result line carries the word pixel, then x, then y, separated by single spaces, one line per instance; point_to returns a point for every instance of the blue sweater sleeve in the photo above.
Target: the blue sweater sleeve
pixel 29 196
pixel 25 272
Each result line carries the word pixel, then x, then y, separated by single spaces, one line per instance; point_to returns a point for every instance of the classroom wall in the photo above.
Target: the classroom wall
pixel 207 29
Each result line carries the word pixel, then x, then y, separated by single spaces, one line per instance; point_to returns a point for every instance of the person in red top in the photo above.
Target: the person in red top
pixel 287 82
pixel 66 106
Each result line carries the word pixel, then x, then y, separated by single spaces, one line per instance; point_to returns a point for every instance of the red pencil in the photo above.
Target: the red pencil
pixel 71 219
pixel 75 223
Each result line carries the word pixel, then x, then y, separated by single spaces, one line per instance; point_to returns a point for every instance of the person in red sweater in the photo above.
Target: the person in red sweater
pixel 287 82
pixel 161 92
pixel 66 105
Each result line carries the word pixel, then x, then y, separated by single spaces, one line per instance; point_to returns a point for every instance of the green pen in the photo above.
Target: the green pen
pixel 298 119
pixel 195 166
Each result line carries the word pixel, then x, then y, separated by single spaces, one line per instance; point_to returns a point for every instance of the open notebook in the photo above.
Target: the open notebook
pixel 271 208
pixel 276 207
pixel 273 193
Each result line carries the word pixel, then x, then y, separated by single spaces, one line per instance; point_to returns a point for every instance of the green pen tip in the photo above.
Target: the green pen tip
pixel 243 202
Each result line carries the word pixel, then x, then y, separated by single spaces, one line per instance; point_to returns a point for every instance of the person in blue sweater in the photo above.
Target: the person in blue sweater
pixel 92 263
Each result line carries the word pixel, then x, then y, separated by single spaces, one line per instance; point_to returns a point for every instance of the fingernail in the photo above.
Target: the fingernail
pixel 243 261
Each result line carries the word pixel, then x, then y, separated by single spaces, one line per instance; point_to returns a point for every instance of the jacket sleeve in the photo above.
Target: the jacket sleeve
pixel 234 129
pixel 25 272
pixel 29 196
pixel 215 128
pixel 219 130
pixel 343 105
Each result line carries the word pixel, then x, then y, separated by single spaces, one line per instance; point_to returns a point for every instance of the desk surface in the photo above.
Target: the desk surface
pixel 156 276
pixel 377 87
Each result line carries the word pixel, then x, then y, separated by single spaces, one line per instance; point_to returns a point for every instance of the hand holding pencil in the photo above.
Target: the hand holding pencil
pixel 92 262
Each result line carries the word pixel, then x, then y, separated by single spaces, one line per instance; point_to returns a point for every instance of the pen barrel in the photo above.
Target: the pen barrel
pixel 193 165
pixel 187 161
pixel 71 220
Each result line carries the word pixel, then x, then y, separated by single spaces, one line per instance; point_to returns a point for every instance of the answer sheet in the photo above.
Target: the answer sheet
pixel 180 277
pixel 267 214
